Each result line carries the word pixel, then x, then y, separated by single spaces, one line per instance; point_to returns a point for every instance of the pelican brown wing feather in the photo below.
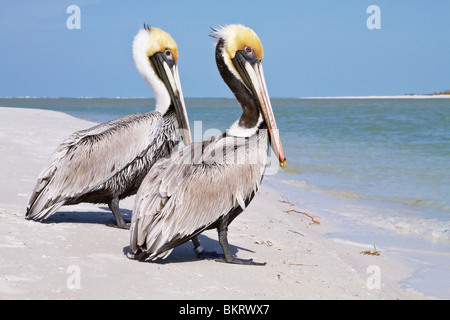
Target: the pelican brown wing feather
pixel 88 158
pixel 190 192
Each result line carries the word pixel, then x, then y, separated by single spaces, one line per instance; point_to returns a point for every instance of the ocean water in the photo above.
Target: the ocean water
pixel 393 152
pixel 381 162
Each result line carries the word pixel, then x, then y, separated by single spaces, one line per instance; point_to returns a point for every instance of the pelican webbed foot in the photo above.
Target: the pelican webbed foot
pixel 132 255
pixel 125 225
pixel 234 260
pixel 139 255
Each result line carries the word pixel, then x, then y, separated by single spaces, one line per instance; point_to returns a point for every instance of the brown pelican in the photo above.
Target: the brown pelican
pixel 107 162
pixel 207 184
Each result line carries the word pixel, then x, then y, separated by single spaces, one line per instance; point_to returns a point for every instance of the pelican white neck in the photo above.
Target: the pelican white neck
pixel 141 44
pixel 237 129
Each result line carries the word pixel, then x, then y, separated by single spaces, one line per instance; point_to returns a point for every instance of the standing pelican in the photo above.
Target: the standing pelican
pixel 207 184
pixel 107 162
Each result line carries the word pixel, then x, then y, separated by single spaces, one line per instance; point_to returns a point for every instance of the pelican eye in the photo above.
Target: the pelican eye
pixel 248 49
pixel 168 53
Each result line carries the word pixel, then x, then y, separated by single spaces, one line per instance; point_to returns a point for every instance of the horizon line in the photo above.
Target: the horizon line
pixel 405 96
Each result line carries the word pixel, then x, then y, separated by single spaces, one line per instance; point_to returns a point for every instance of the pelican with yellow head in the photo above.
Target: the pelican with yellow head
pixel 239 55
pixel 186 194
pixel 108 162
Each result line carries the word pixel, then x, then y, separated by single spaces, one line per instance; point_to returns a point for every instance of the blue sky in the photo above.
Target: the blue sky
pixel 311 48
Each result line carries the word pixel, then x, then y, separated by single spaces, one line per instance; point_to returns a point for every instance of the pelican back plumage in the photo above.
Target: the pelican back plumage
pixel 103 162
pixel 202 186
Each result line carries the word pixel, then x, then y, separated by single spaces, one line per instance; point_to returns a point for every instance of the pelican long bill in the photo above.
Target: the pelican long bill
pixel 252 75
pixel 168 72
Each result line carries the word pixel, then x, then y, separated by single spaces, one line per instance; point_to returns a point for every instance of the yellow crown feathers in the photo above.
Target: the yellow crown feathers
pixel 160 41
pixel 236 37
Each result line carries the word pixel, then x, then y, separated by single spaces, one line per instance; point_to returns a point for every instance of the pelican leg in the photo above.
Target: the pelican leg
pixel 200 251
pixel 223 240
pixel 120 222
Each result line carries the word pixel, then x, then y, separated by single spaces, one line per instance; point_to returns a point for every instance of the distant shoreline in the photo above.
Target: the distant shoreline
pixel 416 96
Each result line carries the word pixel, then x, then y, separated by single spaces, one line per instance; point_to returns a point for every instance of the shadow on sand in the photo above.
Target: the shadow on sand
pixel 185 252
pixel 104 216
pixel 101 216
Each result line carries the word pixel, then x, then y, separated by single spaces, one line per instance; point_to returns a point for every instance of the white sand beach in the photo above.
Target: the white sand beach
pixel 75 255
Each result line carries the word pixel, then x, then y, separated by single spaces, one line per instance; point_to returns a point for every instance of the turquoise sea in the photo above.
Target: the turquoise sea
pixel 380 165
